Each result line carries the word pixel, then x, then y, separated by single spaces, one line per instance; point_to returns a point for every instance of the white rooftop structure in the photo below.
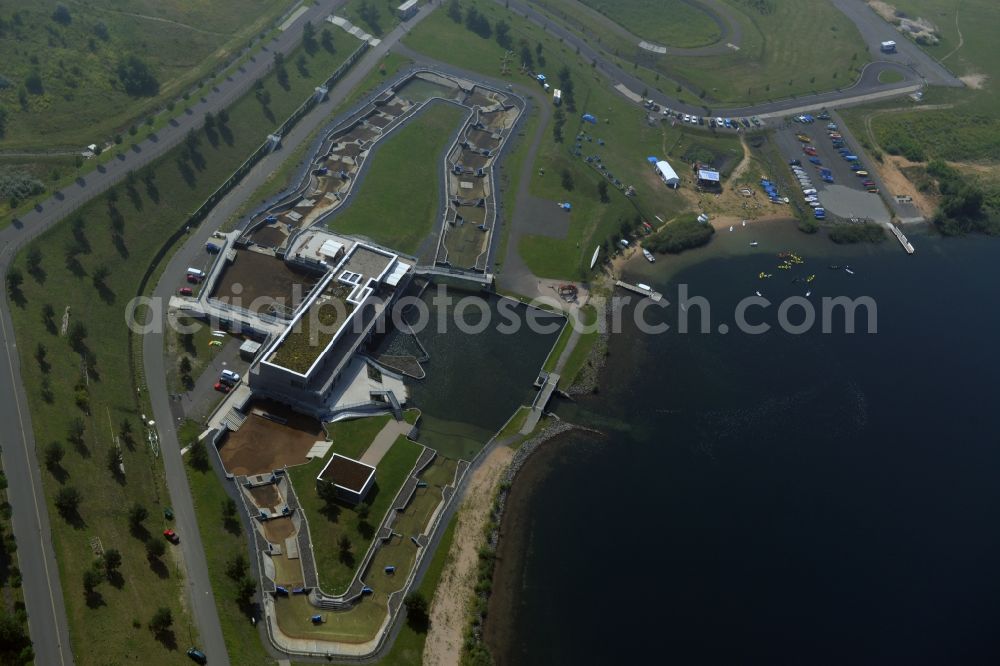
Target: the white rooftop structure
pixel 667 173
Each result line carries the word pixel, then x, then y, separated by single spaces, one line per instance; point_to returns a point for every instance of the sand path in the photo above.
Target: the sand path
pixel 449 609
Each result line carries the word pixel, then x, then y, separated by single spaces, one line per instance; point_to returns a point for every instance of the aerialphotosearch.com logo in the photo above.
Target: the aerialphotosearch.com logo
pixel 472 314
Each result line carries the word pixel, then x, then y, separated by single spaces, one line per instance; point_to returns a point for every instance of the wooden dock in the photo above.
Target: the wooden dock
pixel 901 238
pixel 654 295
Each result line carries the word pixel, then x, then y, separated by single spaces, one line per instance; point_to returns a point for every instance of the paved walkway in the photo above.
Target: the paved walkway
pixel 384 440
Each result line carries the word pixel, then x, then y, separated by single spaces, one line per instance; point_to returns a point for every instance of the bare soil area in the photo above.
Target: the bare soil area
pixel 262 444
pixel 450 605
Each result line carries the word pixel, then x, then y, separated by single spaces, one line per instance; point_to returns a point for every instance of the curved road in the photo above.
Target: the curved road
pixel 43 596
pixel 918 67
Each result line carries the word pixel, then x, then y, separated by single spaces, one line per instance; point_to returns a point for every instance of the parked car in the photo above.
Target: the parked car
pixel 794 162
pixel 193 279
pixel 171 536
pixel 861 173
pixel 815 160
pixel 212 248
pixel 197 655
pixel 221 388
pixel 185 291
pixel 229 377
pixel 868 183
pixel 873 190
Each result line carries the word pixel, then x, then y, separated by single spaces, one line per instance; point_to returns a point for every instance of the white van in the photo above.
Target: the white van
pixel 196 272
pixel 229 377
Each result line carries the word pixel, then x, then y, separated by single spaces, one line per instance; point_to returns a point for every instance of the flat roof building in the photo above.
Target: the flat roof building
pixel 708 178
pixel 351 478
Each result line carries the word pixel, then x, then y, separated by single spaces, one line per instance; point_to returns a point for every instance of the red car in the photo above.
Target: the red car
pixel 171 536
pixel 222 388
pixel 809 151
pixel 193 279
pixel 185 291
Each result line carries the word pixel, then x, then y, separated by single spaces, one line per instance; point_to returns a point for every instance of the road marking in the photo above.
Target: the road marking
pixel 34 491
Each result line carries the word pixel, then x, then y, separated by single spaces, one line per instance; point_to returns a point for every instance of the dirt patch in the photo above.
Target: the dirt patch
pixel 269 236
pixel 266 496
pixel 449 608
pixel 974 81
pixel 278 529
pixel 263 444
pixel 898 184
pixel 258 281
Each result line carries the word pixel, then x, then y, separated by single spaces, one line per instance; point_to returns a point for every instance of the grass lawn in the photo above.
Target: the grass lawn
pixel 786 52
pixel 222 543
pixel 409 646
pixel 513 426
pixel 380 19
pixel 720 149
pixel 72 256
pixel 629 139
pixel 195 347
pixel 279 179
pixel 509 170
pixel 397 202
pixel 889 76
pixel 452 439
pixel 360 623
pixel 666 22
pixel 326 526
pixel 77 98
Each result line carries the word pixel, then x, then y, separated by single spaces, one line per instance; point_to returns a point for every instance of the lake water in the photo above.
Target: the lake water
pixel 775 499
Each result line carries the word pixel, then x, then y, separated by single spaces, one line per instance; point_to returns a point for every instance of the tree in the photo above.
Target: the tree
pixel 48 317
pixel 362 510
pixel 198 456
pixel 101 30
pixel 222 117
pixel 68 500
pixel 245 590
pixel 114 460
pixel 326 39
pixel 417 610
pixel 185 365
pixel 14 280
pixel 228 508
pixel 15 643
pixel 503 38
pixel 111 561
pixel 77 336
pixel 567 180
pixel 236 568
pixel 61 15
pixel 34 261
pixel 137 77
pixel 526 58
pixel 136 515
pixel 279 69
pixel 155 548
pixel 91 579
pixel 100 274
pixel 209 121
pixel 455 11
pixel 161 621
pixel 3 122
pixel 602 191
pixel 309 37
pixel 54 453
pixel 344 544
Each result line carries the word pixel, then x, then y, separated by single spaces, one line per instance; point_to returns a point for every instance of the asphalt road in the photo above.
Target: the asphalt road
pixel 916 66
pixel 43 596
pixel 193 250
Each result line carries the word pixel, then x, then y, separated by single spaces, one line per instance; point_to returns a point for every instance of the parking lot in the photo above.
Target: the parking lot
pixel 846 197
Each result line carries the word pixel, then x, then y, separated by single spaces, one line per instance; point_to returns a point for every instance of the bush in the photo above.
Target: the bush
pixel 866 232
pixel 137 77
pixel 681 234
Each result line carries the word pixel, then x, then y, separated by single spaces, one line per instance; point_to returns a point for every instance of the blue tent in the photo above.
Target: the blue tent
pixel 566 206
pixel 652 160
pixel 590 119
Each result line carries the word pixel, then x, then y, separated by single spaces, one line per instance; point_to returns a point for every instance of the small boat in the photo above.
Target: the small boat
pixel 730 227
pixel 848 269
pixel 834 267
pixel 808 293
pixel 753 243
pixel 758 293
pixel 649 256
pixel 744 223
pixel 810 278
pixel 644 286
pixel 684 307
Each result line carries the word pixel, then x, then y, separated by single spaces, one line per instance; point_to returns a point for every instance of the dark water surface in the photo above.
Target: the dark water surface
pixel 776 499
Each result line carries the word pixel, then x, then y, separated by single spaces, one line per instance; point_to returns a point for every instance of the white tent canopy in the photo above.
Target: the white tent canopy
pixel 667 173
